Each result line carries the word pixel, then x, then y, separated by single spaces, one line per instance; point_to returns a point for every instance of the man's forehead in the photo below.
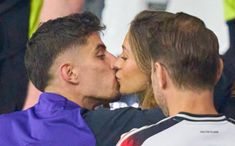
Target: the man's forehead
pixel 93 45
pixel 95 41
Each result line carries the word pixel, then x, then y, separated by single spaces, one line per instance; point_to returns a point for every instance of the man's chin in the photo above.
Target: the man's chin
pixel 114 97
pixel 104 102
pixel 109 98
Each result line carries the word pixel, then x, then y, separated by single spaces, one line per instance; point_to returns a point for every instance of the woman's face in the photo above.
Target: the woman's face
pixel 129 76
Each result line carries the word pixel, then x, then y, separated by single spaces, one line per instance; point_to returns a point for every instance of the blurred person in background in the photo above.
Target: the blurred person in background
pixel 94 6
pixel 14 24
pixel 229 14
pixel 228 57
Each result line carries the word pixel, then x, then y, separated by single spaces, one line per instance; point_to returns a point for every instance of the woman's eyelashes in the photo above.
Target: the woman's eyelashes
pixel 123 57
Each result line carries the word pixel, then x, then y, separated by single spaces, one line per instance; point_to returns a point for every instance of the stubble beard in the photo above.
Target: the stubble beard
pixel 161 100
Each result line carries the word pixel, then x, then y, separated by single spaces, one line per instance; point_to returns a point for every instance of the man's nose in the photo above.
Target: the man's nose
pixel 117 64
pixel 111 59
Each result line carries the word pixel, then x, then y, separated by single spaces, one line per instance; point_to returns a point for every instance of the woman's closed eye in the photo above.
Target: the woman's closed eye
pixel 123 57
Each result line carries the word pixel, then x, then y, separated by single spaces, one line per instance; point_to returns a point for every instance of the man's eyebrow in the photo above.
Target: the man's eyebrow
pixel 100 46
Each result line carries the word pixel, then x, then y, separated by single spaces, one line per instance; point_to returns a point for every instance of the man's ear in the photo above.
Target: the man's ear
pixel 69 74
pixel 219 70
pixel 160 72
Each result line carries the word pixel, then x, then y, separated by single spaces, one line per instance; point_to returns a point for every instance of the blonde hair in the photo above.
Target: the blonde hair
pixel 143 61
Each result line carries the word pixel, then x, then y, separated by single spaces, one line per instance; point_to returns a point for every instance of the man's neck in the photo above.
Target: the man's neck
pixel 195 102
pixel 67 94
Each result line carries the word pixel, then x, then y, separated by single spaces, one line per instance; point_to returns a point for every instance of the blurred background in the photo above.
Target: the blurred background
pixel 117 14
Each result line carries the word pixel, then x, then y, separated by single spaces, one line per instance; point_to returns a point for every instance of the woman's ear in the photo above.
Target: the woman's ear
pixel 69 73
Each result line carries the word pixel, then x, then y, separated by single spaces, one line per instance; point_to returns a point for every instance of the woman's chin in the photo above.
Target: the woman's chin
pixel 125 91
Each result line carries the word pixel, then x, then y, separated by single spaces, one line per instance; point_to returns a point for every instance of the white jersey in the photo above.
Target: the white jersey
pixel 184 129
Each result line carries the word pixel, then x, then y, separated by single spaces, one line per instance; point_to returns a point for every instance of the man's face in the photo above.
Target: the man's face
pixel 96 74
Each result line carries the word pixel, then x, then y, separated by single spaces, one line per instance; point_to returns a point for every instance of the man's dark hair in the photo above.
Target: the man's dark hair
pixel 188 50
pixel 53 38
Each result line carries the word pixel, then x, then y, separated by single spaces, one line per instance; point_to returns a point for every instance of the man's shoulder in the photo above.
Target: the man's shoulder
pixel 11 118
pixel 186 125
pixel 231 120
pixel 137 136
